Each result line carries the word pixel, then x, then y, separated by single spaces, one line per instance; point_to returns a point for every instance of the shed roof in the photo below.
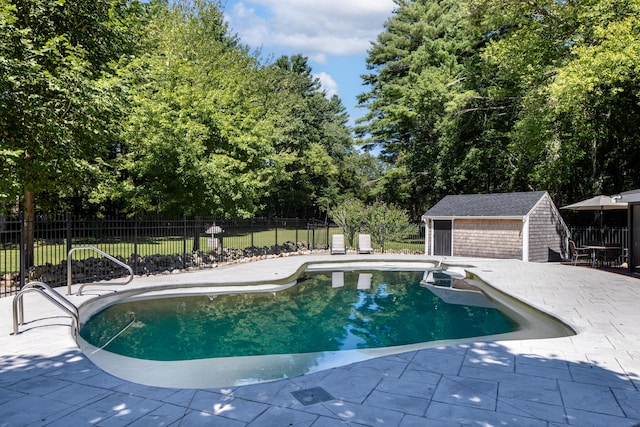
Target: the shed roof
pixel 632 196
pixel 486 205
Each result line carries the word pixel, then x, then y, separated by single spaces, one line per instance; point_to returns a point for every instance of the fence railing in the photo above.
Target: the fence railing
pixel 153 246
pixel 584 236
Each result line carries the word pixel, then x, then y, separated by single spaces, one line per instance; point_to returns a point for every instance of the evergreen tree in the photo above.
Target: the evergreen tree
pixel 416 71
pixel 315 143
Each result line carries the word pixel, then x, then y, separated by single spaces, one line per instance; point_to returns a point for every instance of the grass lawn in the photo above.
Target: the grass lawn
pixel 56 252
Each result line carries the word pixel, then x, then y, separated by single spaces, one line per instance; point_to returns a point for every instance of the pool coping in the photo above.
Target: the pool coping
pixel 592 378
pixel 253 369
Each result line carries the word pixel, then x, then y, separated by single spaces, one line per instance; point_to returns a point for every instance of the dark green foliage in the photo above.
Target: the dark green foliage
pixel 58 98
pixel 315 145
pixel 475 96
pixel 113 106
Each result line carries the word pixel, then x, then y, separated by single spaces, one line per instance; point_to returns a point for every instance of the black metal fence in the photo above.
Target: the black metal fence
pixel 152 246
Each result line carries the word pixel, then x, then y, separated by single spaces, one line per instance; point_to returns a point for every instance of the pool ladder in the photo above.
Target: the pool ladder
pixel 104 254
pixel 55 297
pixel 48 292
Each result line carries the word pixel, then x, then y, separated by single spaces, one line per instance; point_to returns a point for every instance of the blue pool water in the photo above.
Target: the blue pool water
pixel 322 312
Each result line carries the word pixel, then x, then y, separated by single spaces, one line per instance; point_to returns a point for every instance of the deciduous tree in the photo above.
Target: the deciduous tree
pixel 58 97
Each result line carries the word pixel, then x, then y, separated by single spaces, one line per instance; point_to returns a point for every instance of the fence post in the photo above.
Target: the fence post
pixel 276 223
pixel 69 234
pixel 135 245
pixel 252 231
pixel 22 255
pixel 327 225
pixel 184 239
pixel 222 252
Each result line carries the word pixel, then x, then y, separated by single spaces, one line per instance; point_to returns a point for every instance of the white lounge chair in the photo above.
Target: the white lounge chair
pixel 337 245
pixel 364 244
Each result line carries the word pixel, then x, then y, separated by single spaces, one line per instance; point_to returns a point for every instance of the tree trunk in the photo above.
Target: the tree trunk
pixel 28 225
pixel 196 235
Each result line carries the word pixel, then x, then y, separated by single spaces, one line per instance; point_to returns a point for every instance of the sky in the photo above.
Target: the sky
pixel 334 35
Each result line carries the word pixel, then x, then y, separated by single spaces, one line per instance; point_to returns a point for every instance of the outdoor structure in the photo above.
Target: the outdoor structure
pixel 524 226
pixel 632 199
pixel 600 204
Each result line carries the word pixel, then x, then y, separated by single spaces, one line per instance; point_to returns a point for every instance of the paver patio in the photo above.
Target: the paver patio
pixel 590 379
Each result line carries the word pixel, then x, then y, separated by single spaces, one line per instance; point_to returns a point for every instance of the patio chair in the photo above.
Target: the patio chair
pixel 337 245
pixel 610 255
pixel 364 244
pixel 578 253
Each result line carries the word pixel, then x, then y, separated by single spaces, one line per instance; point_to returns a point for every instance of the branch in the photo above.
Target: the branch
pixel 544 12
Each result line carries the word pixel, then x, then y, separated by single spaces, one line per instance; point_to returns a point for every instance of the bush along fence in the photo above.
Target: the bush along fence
pixel 154 246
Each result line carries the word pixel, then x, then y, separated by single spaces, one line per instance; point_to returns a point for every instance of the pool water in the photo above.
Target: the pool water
pixel 321 312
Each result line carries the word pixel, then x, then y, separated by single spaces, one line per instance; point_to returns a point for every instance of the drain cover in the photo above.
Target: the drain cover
pixel 311 396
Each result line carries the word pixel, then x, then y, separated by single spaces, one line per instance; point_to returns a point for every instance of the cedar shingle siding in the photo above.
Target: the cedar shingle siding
pixel 506 225
pixel 487 238
pixel 547 233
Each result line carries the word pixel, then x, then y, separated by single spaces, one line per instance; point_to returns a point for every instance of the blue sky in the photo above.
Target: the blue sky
pixel 334 34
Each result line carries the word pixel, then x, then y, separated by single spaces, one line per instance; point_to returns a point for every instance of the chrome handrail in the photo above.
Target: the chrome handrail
pixel 104 254
pixel 49 293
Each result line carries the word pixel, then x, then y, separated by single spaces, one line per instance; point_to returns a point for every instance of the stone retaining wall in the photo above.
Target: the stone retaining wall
pixel 93 269
pixel 96 269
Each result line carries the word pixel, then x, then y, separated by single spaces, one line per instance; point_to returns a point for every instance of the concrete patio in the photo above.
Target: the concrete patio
pixel 590 379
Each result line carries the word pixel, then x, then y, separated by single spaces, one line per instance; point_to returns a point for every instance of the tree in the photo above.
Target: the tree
pixel 386 222
pixel 315 142
pixel 58 97
pixel 416 71
pixel 350 217
pixel 199 139
pixel 470 96
pixel 381 220
pixel 569 68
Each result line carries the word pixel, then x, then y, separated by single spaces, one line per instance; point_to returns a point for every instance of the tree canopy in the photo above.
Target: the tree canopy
pixel 57 95
pixel 157 108
pixel 493 95
pixel 117 106
pixel 198 139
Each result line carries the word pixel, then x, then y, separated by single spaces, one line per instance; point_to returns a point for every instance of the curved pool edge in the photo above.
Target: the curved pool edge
pixel 201 282
pixel 245 370
pixel 241 370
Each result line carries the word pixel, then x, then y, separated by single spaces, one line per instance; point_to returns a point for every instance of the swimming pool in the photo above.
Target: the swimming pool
pixel 325 317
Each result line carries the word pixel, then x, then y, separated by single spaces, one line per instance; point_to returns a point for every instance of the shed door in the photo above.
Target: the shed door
pixel 442 237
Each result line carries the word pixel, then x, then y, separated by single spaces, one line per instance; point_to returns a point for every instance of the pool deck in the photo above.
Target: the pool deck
pixel 590 379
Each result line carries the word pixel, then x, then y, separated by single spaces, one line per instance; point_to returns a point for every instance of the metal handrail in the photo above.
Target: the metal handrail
pixel 49 293
pixel 104 254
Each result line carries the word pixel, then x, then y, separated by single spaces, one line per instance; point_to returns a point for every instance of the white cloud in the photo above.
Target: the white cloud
pixel 328 84
pixel 315 28
pixel 254 29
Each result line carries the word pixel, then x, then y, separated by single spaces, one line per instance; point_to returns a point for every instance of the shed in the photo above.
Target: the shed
pixel 525 226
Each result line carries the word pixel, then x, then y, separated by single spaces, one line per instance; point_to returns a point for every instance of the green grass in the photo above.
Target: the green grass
pixel 56 253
